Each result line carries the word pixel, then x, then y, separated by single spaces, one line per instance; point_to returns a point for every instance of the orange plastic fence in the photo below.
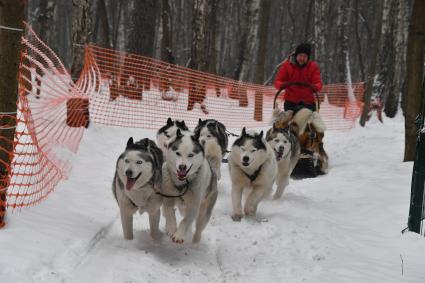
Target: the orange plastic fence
pixel 126 90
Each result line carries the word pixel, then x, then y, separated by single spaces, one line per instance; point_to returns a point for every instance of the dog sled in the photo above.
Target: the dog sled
pixel 309 128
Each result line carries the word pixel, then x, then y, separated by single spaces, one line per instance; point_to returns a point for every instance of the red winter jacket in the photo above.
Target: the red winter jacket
pixel 291 72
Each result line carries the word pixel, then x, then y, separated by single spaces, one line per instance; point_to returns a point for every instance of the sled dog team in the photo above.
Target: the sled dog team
pixel 182 170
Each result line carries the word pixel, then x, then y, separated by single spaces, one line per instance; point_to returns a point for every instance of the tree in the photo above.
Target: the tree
pixel 141 29
pixel 248 40
pixel 415 61
pixel 166 43
pixel 81 29
pixel 261 57
pixel 372 65
pixel 11 15
pixel 101 34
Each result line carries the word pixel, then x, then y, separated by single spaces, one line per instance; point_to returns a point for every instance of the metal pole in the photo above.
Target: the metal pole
pixel 418 175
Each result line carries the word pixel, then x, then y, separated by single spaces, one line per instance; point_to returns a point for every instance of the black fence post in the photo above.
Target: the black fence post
pixel 418 175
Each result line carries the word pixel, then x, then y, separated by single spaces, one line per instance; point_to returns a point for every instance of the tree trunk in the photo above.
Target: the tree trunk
pixel 358 39
pixel 11 15
pixel 248 40
pixel 141 31
pixel 415 61
pixel 212 36
pixel 261 57
pixel 81 28
pixel 46 21
pixel 384 86
pixel 320 16
pixel 166 43
pixel 400 32
pixel 372 65
pixel 101 29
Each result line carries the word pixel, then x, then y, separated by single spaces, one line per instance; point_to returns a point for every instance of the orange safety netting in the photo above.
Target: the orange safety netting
pixel 126 90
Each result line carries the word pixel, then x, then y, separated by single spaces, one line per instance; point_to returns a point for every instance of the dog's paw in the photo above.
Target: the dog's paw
pixel 250 212
pixel 170 230
pixel 237 217
pixel 156 235
pixel 277 196
pixel 178 238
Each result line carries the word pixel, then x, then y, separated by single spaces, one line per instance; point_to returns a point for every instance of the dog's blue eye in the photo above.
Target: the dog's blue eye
pixel 178 153
pixel 139 162
pixel 191 155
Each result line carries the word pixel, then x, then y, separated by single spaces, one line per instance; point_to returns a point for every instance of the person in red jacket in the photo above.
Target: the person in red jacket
pixel 300 77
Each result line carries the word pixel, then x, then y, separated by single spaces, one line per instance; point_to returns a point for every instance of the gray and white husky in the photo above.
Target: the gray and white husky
pixel 252 164
pixel 188 182
pixel 286 148
pixel 168 132
pixel 137 177
pixel 211 134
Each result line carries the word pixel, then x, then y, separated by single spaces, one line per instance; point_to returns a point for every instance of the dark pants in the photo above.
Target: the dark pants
pixel 298 106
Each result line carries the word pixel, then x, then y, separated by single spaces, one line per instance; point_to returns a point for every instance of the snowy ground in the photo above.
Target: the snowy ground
pixel 342 227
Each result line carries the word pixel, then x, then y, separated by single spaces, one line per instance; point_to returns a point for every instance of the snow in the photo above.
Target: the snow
pixel 342 227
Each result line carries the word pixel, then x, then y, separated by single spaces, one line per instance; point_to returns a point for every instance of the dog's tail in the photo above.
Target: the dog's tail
pixel 301 119
pixel 214 155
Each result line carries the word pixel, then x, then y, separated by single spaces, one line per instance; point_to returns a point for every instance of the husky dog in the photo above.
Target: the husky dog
pixel 287 151
pixel 137 177
pixel 189 182
pixel 252 163
pixel 168 132
pixel 211 134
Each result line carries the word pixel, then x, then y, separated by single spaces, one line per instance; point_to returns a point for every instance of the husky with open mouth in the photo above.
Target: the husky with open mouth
pixel 188 182
pixel 252 164
pixel 286 147
pixel 137 178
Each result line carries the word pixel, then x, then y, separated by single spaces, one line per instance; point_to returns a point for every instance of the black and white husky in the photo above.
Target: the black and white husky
pixel 252 164
pixel 286 148
pixel 137 177
pixel 211 134
pixel 168 132
pixel 188 182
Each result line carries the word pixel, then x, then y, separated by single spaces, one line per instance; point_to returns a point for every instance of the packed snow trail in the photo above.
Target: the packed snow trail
pixel 341 227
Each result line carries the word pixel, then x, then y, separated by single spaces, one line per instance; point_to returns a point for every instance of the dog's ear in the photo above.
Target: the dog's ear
pixel 179 134
pixel 183 125
pixel 169 121
pixel 200 121
pixel 261 134
pixel 243 131
pixel 130 142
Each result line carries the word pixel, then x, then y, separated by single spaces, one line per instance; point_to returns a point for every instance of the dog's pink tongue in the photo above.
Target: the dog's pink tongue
pixel 181 174
pixel 130 183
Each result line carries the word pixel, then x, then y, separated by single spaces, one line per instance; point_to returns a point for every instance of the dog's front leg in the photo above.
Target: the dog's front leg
pixel 170 217
pixel 253 199
pixel 154 218
pixel 127 222
pixel 237 201
pixel 192 210
pixel 281 184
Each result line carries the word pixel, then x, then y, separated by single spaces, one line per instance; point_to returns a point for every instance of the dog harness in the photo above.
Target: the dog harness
pixel 254 175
